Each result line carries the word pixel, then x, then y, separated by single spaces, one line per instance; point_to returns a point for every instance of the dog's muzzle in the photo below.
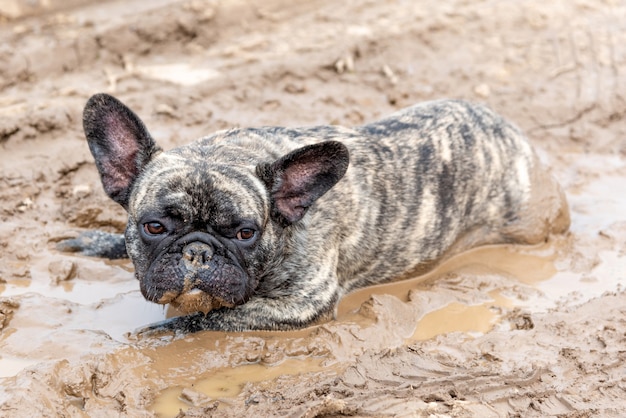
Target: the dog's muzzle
pixel 198 272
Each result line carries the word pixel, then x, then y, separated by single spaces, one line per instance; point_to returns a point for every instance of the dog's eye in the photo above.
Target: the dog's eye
pixel 245 234
pixel 154 228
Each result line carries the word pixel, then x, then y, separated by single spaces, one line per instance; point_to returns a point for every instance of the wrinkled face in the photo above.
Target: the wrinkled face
pixel 196 236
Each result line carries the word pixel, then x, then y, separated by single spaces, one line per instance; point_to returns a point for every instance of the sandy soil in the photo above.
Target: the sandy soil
pixel 498 331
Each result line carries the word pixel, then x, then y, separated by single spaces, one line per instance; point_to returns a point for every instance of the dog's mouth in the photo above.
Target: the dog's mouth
pixel 196 274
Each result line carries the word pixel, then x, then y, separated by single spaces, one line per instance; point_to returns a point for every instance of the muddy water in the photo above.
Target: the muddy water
pixel 458 317
pixel 227 383
pixel 529 265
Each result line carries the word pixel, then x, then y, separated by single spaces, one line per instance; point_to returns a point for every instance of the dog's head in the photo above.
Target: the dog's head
pixel 205 222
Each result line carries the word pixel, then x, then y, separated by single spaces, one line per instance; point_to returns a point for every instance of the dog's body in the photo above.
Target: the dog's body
pixel 268 228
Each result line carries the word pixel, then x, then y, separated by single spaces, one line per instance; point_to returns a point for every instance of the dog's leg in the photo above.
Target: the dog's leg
pixel 259 313
pixel 96 244
pixel 546 211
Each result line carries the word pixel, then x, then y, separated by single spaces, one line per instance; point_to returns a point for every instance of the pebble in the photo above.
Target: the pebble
pixel 483 90
pixel 81 190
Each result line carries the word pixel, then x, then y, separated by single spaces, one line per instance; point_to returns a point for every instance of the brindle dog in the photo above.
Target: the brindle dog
pixel 267 228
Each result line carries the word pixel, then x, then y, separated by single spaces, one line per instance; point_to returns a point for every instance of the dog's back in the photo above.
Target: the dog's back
pixel 438 178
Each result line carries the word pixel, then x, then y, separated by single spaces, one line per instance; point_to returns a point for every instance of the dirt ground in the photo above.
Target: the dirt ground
pixel 498 331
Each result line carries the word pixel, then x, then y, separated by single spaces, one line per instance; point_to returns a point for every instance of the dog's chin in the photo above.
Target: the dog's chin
pixel 193 301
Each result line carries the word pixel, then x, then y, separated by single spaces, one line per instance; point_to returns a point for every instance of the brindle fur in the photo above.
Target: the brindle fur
pixel 423 184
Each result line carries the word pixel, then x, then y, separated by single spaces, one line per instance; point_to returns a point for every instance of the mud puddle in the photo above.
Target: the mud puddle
pixel 458 317
pixel 226 384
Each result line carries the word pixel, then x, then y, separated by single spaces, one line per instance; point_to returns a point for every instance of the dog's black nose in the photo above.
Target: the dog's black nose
pixel 196 255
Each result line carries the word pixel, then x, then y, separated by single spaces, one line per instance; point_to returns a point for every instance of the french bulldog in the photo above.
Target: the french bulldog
pixel 267 228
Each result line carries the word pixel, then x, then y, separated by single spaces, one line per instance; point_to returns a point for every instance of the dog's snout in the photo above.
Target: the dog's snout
pixel 197 254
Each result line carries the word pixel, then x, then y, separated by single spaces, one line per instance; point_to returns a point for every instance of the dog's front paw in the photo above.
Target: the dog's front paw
pixel 95 244
pixel 179 325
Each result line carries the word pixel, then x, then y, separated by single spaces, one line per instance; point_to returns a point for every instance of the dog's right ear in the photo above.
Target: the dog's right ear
pixel 119 142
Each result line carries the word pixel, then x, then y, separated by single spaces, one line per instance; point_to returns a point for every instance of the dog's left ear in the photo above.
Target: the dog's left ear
pixel 299 178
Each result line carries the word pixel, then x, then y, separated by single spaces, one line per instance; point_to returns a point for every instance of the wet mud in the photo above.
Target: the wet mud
pixel 496 331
